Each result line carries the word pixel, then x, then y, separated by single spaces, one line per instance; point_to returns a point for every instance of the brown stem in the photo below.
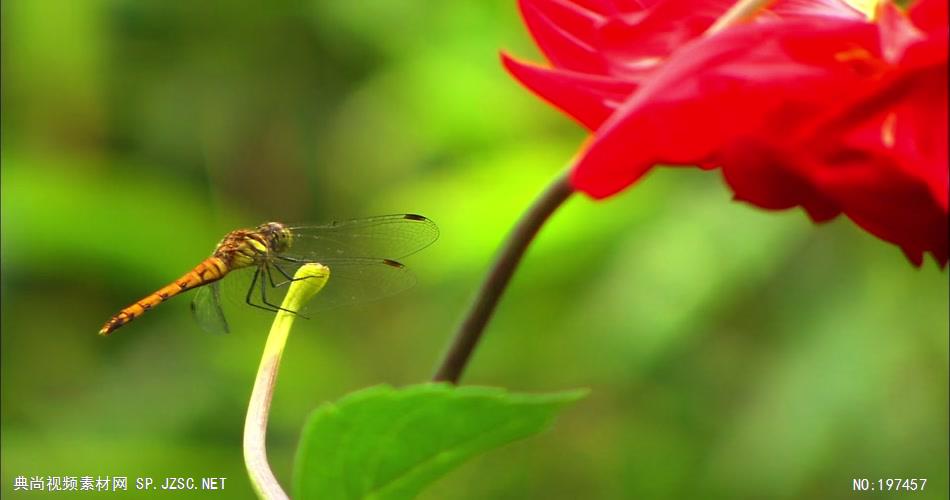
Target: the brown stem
pixel 471 329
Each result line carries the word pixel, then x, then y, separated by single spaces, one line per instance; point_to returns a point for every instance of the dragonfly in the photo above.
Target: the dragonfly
pixel 253 267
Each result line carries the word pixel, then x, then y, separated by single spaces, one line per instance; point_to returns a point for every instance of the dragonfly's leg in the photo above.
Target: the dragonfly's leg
pixel 289 277
pixel 286 275
pixel 264 293
pixel 270 276
pixel 250 290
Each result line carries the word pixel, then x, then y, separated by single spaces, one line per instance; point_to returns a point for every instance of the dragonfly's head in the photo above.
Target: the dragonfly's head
pixel 278 236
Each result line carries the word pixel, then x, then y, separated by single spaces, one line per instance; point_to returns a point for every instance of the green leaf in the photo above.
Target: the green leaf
pixel 387 443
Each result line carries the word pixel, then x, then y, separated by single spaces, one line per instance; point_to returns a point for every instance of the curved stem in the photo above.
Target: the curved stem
pixel 308 280
pixel 472 327
pixel 255 431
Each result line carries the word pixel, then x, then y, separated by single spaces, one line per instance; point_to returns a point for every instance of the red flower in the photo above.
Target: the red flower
pixel 811 105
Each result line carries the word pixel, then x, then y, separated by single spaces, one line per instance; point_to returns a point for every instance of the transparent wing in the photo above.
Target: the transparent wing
pixel 206 308
pixel 383 237
pixel 351 281
pixel 218 305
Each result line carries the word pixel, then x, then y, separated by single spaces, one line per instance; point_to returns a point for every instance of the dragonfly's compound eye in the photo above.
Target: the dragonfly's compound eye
pixel 276 234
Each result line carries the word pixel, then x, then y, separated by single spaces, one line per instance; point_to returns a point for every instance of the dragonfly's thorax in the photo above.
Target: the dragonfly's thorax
pixel 249 247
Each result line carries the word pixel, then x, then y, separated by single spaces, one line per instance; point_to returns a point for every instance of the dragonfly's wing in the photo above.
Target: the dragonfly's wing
pixel 206 308
pixel 351 281
pixel 217 305
pixel 249 289
pixel 383 237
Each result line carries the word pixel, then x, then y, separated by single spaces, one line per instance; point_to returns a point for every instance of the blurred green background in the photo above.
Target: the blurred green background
pixel 731 353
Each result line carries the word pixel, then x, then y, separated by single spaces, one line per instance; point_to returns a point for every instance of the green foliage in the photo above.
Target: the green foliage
pixel 387 443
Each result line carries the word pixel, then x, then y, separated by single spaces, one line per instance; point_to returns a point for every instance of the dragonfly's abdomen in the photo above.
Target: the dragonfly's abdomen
pixel 211 269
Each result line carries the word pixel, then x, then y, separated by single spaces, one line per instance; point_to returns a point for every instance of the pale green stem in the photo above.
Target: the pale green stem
pixel 255 425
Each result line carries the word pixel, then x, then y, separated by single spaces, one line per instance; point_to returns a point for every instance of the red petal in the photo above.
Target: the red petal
pixel 791 9
pixel 657 32
pixel 562 43
pixel 579 22
pixel 897 33
pixel 930 15
pixel 885 162
pixel 613 7
pixel 589 99
pixel 718 89
pixel 766 177
pixel 916 257
pixel 811 105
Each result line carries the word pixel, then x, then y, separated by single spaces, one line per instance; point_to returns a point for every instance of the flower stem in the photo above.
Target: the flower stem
pixel 308 280
pixel 472 327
